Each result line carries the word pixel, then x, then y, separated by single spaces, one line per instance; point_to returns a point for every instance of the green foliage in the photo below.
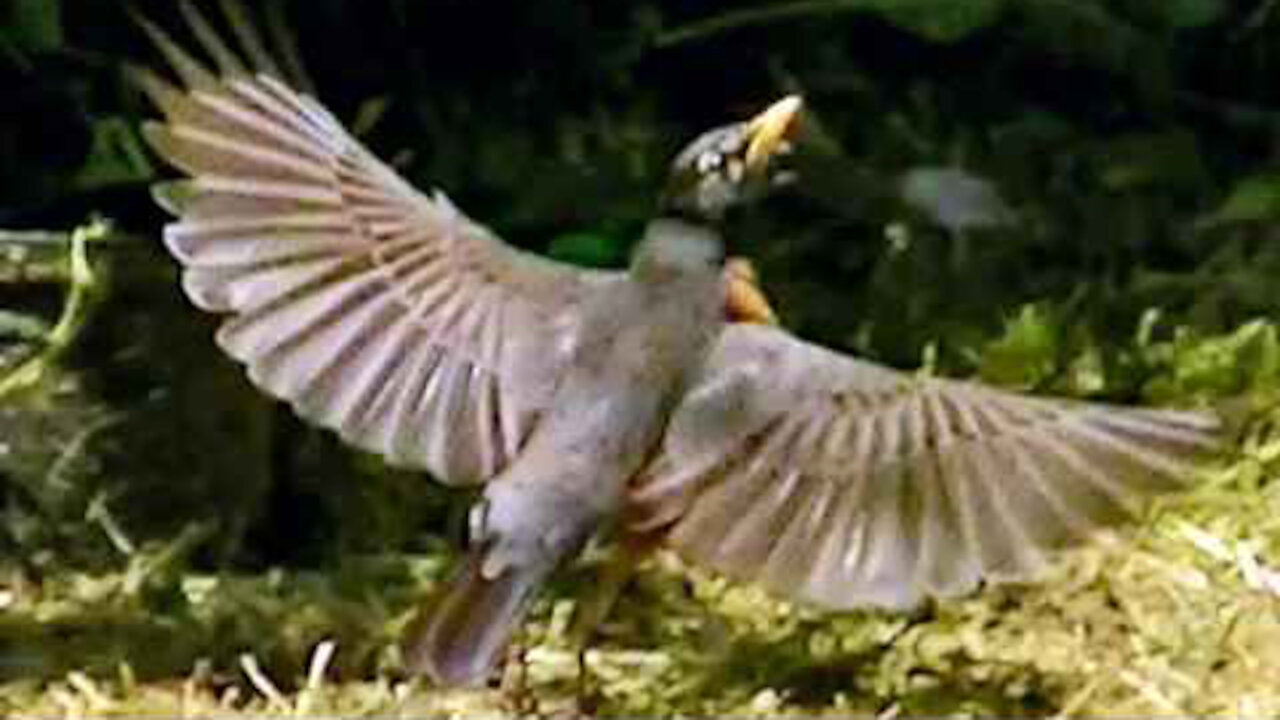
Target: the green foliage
pixel 1188 14
pixel 34 24
pixel 589 249
pixel 1028 353
pixel 1169 161
pixel 1121 627
pixel 1244 361
pixel 940 20
pixel 1066 196
pixel 116 157
pixel 1253 199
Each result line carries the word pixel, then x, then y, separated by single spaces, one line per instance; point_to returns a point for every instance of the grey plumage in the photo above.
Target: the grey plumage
pixel 579 396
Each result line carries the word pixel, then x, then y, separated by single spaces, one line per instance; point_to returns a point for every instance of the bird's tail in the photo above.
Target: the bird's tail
pixel 462 634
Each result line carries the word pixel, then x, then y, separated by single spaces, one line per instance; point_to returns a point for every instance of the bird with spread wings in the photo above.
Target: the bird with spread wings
pixel 652 396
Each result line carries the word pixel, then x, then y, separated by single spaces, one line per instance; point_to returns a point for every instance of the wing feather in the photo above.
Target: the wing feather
pixel 377 311
pixel 835 481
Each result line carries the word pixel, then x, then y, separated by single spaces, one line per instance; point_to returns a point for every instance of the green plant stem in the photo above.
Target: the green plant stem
pixel 83 295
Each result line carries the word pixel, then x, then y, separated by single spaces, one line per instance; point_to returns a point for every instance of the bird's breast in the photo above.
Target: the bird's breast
pixel 634 354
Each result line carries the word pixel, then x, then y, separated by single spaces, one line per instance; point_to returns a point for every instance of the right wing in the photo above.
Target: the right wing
pixel 837 481
pixel 374 310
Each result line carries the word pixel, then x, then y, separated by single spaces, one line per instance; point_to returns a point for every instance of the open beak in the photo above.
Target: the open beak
pixel 769 131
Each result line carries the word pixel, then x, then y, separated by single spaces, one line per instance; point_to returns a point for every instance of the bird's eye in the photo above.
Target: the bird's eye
pixel 708 161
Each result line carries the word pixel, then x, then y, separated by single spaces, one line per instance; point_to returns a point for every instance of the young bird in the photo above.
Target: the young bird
pixel 579 397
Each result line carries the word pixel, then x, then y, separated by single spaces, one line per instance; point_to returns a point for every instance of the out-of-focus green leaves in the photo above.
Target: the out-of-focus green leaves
pixel 116 156
pixel 32 24
pixel 588 249
pixel 1221 367
pixel 1026 355
pixel 371 113
pixel 1090 33
pixel 1169 160
pixel 23 328
pixel 1184 14
pixel 1253 199
pixel 940 20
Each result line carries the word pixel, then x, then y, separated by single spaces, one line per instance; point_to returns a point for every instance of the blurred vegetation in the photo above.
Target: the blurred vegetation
pixel 1069 196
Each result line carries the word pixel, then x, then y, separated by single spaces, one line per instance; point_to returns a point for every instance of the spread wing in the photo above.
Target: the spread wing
pixel 373 309
pixel 842 483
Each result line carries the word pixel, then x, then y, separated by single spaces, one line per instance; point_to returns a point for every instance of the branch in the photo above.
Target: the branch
pixel 731 21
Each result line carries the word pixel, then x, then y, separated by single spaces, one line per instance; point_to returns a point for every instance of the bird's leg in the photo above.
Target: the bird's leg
pixel 590 614
pixel 745 301
pixel 586 701
pixel 514 684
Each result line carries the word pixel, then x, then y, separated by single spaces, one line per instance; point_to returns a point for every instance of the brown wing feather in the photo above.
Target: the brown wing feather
pixel 374 310
pixel 843 483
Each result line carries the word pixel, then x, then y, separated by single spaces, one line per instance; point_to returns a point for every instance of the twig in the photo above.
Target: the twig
pixel 87 689
pixel 82 297
pixel 101 514
pixel 145 566
pixel 260 681
pixel 756 16
pixel 56 477
pixel 319 665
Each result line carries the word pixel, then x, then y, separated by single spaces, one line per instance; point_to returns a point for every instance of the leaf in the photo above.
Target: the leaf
pixel 589 249
pixel 936 20
pixel 35 24
pixel 1087 32
pixel 1190 14
pixel 1253 199
pixel 941 20
pixel 1026 355
pixel 1221 365
pixel 115 156
pixel 18 327
pixel 1167 160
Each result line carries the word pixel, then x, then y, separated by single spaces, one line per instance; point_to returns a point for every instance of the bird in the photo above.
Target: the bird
pixel 637 398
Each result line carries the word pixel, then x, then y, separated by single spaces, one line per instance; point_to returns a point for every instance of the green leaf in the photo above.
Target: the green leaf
pixel 1189 14
pixel 1087 32
pixel 1222 365
pixel 941 20
pixel 1166 160
pixel 589 249
pixel 35 24
pixel 1027 354
pixel 116 156
pixel 1254 199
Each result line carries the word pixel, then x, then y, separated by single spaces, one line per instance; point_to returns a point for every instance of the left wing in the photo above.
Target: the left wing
pixel 843 483
pixel 375 310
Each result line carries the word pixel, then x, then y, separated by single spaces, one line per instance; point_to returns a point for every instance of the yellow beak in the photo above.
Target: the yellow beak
pixel 767 131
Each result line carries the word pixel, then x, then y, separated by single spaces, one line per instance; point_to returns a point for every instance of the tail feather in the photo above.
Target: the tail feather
pixel 462 635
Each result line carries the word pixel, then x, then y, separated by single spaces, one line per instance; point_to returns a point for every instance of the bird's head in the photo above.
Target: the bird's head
pixel 733 164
